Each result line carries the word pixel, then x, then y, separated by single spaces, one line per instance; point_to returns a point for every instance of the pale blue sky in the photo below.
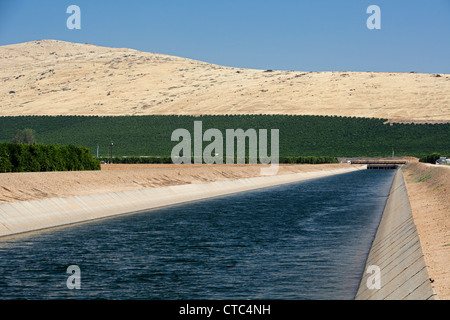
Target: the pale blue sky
pixel 308 35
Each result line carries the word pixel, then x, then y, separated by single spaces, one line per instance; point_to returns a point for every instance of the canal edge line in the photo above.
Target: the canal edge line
pixel 35 215
pixel 397 254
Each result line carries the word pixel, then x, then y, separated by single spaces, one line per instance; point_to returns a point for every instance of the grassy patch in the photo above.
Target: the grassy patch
pixel 439 186
pixel 424 178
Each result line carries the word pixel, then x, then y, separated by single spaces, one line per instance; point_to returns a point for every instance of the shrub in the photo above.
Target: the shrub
pixel 430 158
pixel 19 157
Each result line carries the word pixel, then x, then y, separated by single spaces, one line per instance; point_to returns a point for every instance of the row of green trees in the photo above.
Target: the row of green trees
pixel 136 160
pixel 310 160
pixel 19 157
pixel 298 135
pixel 168 160
pixel 431 158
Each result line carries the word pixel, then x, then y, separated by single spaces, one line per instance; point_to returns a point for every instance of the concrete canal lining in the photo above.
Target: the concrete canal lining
pixel 397 252
pixel 26 216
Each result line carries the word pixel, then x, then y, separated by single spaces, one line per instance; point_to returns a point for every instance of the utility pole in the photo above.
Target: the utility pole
pixel 110 155
pixel 97 150
pixel 392 152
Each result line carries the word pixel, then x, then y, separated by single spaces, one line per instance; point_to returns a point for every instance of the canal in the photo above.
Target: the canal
pixel 305 240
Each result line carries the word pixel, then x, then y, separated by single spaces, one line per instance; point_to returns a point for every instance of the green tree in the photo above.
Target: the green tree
pixel 5 163
pixel 27 136
pixel 430 158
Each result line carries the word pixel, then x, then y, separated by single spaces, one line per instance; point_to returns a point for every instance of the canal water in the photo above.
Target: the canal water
pixel 306 240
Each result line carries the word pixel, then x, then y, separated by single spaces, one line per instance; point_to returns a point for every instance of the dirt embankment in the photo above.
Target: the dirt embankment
pixel 114 178
pixel 429 192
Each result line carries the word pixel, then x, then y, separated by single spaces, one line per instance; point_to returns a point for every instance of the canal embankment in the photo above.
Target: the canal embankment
pixel 428 188
pixel 48 212
pixel 395 267
pixel 25 186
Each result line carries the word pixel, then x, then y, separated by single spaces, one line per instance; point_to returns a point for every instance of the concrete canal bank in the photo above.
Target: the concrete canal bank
pixel 396 253
pixel 26 216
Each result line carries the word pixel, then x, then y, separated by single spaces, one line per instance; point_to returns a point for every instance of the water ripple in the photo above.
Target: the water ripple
pixel 307 240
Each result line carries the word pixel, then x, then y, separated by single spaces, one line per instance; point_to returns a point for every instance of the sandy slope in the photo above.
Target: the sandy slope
pixel 42 185
pixel 429 192
pixel 50 77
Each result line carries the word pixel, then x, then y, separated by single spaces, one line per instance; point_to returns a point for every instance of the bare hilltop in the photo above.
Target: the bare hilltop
pixel 50 77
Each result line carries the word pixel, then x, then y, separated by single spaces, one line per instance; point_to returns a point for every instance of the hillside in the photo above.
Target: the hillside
pixel 50 77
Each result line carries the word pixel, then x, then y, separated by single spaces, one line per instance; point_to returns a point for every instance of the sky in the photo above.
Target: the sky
pixel 300 35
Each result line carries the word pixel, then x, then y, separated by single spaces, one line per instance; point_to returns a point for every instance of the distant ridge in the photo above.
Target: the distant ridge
pixel 50 77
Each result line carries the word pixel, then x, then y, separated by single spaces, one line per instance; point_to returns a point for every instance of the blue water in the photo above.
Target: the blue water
pixel 307 240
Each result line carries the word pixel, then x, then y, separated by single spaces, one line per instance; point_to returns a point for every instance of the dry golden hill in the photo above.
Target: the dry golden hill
pixel 49 77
